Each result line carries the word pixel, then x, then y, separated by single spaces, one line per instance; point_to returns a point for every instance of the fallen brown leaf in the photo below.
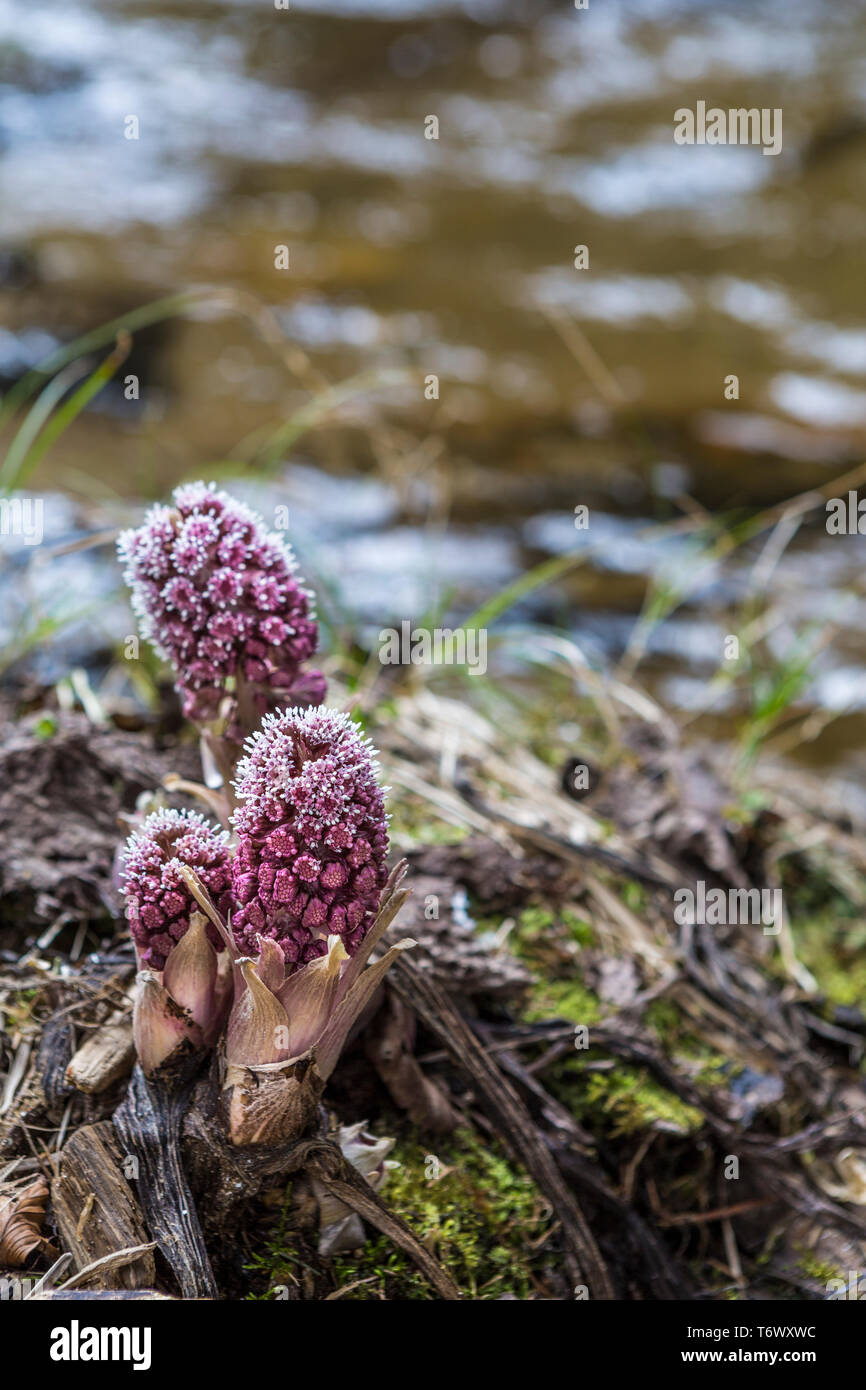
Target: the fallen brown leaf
pixel 22 1212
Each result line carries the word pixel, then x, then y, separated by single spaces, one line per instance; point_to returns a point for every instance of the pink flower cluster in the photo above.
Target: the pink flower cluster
pixel 312 835
pixel 158 902
pixel 216 594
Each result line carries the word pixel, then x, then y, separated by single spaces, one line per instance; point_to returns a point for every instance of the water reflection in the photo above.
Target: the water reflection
pixel 449 256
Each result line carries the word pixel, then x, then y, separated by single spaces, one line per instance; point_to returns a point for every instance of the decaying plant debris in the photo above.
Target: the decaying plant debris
pixel 63 784
pixel 705 1044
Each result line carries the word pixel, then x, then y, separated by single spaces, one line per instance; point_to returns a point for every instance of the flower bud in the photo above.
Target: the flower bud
pixel 271 964
pixel 312 898
pixel 158 901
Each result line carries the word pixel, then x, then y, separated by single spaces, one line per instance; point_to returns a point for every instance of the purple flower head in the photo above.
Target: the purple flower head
pixel 312 835
pixel 216 595
pixel 158 902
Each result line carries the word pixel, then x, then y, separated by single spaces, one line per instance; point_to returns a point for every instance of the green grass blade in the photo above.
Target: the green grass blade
pixel 545 573
pixel 68 412
pixel 143 317
pixel 39 413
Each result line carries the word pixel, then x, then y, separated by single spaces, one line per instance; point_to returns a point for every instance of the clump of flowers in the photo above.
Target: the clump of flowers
pixel 217 596
pixel 257 944
pixel 312 836
pixel 184 987
pixel 299 900
pixel 158 901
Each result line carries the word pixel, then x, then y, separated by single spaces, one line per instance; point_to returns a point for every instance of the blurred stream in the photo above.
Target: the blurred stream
pixel 450 257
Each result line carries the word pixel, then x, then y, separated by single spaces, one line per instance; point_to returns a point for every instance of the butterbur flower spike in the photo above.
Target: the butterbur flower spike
pixel 184 987
pixel 272 1091
pixel 312 835
pixel 152 879
pixel 217 596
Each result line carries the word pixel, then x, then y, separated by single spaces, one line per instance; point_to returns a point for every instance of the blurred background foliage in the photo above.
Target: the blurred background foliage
pixel 152 260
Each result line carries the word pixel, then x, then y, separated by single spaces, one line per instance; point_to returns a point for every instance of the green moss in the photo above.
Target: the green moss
pixel 702 1063
pixel 814 1268
pixel 534 924
pixel 832 947
pixel 748 806
pixel 605 828
pixel 634 895
pixel 568 999
pixel 665 1019
pixel 542 937
pixel 550 942
pixel 826 902
pixel 714 1069
pixel 482 1218
pixel 277 1266
pixel 19 1007
pixel 413 822
pixel 822 885
pixel 621 1101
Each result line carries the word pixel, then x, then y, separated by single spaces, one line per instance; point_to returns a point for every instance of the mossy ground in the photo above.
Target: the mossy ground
pixel 482 1217
pixel 550 943
pixel 479 1214
pixel 833 947
pixel 828 924
pixel 608 1098
pixel 412 825
pixel 619 1100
